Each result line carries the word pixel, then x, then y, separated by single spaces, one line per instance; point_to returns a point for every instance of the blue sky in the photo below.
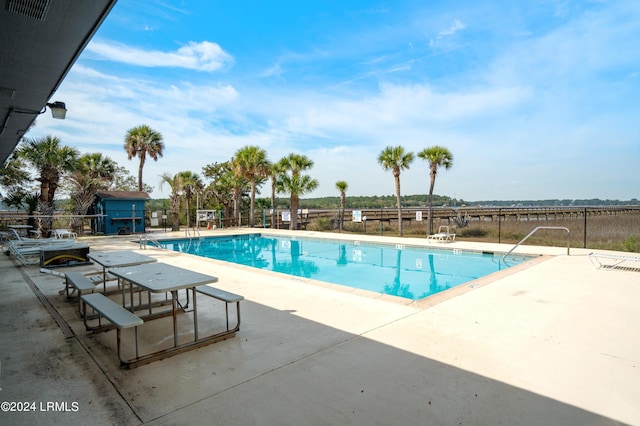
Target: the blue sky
pixel 535 99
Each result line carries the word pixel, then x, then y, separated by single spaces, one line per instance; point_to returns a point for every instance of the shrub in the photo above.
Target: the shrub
pixel 320 224
pixel 472 233
pixel 631 244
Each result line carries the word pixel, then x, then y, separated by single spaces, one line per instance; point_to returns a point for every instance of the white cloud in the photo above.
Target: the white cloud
pixel 454 28
pixel 396 108
pixel 147 96
pixel 274 70
pixel 203 56
pixel 442 39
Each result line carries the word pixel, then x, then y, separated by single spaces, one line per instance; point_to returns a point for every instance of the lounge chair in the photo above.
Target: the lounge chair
pixel 27 250
pixel 15 237
pixel 63 233
pixel 614 261
pixel 30 254
pixel 443 235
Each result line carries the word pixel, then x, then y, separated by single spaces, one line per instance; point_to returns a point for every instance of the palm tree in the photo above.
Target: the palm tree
pixel 251 163
pixel 51 160
pixel 396 159
pixel 190 183
pixel 342 187
pixel 293 182
pixel 142 141
pixel 275 170
pixel 436 156
pixel 239 185
pixel 174 198
pixel 93 172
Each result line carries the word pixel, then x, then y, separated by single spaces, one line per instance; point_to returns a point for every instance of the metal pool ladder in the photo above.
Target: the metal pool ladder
pixel 534 231
pixel 187 232
pixel 148 238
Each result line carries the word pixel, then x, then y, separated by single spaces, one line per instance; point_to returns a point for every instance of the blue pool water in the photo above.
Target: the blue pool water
pixel 409 272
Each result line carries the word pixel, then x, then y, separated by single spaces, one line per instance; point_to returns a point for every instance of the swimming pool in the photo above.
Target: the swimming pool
pixel 409 272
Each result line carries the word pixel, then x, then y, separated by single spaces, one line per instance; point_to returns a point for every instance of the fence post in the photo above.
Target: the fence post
pixel 585 229
pixel 499 223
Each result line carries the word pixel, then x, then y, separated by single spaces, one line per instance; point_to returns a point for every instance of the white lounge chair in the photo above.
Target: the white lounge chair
pixel 27 250
pixel 63 233
pixel 30 254
pixel 443 235
pixel 15 238
pixel 614 261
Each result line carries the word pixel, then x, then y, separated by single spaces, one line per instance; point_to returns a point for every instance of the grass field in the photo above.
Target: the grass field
pixel 610 232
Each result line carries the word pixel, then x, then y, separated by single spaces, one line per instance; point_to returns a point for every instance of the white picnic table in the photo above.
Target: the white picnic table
pixel 165 278
pixel 117 259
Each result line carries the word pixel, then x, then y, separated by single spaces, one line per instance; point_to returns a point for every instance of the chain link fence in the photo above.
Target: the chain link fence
pixel 608 228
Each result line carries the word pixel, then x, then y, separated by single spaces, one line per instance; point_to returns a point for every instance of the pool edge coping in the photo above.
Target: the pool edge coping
pixel 421 304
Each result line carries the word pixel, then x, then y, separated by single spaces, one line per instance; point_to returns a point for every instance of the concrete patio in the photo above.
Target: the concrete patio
pixel 554 342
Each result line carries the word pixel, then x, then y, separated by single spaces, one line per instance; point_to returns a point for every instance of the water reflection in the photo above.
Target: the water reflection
pixel 342 255
pixel 397 288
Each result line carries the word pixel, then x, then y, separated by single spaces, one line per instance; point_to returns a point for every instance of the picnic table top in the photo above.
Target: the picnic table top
pixel 162 277
pixel 120 258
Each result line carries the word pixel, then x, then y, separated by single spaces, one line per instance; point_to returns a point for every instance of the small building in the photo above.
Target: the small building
pixel 123 212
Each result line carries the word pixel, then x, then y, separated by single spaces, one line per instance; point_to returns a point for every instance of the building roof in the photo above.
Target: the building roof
pixel 41 40
pixel 123 195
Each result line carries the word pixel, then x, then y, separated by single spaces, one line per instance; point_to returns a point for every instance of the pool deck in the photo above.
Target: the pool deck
pixel 555 342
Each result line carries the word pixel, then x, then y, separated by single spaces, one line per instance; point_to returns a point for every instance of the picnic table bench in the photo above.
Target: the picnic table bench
pixel 76 280
pixel 226 297
pixel 120 317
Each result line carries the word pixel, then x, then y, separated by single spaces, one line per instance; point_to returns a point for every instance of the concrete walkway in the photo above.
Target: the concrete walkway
pixel 556 342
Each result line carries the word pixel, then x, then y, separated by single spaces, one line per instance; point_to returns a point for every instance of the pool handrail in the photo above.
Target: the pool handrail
pixel 534 231
pixel 146 238
pixel 187 232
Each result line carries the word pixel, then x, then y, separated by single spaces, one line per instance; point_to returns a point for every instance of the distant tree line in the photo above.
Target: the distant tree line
pixel 557 202
pixel 369 202
pixel 420 200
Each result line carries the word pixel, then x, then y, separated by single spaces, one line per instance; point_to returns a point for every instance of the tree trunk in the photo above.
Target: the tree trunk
pixel 294 213
pixel 140 173
pixel 175 222
pixel 273 204
pixel 430 214
pixel 253 202
pixel 342 203
pixel 175 212
pixel 188 213
pixel 398 204
pixel 236 205
pixel 45 222
pixel 83 200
